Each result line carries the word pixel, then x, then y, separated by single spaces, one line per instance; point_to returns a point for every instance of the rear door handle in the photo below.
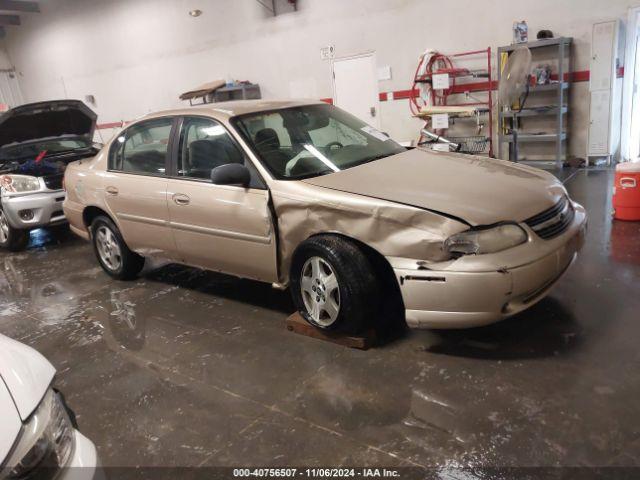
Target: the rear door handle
pixel 111 190
pixel 181 199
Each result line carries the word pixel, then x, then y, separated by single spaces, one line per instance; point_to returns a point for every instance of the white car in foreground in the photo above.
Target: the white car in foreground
pixel 37 437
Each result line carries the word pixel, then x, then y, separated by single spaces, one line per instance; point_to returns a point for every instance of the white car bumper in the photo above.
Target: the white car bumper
pixel 84 464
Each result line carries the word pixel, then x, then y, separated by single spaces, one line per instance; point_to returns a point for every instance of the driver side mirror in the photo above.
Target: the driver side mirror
pixel 231 174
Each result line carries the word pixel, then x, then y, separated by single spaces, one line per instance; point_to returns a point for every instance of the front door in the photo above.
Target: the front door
pixel 136 187
pixel 224 228
pixel 355 87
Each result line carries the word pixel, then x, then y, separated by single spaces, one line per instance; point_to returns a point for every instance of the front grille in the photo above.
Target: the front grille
pixel 54 182
pixel 554 221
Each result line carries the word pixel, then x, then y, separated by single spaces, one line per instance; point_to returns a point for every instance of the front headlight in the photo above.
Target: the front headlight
pixel 485 240
pixel 19 184
pixel 45 443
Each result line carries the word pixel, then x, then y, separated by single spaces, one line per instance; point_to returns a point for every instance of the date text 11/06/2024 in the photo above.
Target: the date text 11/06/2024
pixel 316 472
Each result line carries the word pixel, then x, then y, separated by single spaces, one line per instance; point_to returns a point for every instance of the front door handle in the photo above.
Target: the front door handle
pixel 181 199
pixel 112 190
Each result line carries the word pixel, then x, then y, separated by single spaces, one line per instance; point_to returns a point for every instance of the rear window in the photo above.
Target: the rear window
pixel 142 148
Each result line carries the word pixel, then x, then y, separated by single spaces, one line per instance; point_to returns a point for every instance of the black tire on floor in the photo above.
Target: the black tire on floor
pixel 16 240
pixel 131 263
pixel 357 285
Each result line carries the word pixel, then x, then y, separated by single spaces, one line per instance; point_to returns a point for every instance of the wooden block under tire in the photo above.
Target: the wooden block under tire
pixel 295 323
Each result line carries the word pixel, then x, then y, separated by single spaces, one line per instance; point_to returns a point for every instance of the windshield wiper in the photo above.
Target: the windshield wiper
pixel 313 174
pixel 375 157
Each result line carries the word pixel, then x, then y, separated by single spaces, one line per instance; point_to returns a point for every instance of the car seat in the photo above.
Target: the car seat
pixel 268 145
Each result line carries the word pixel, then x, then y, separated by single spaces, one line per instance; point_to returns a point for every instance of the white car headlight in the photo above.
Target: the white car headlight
pixel 19 184
pixel 46 441
pixel 485 240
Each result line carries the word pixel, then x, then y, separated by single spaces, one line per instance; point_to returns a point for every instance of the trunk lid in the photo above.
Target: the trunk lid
pixel 480 191
pixel 46 120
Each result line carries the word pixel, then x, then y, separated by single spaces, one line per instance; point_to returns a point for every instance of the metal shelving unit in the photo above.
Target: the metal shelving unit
pixel 462 85
pixel 509 121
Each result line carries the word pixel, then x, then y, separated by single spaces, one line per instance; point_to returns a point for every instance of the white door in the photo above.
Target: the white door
pixel 602 56
pixel 355 87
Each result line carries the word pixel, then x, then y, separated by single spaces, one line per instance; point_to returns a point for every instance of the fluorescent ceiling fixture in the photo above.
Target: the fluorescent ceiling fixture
pixel 314 151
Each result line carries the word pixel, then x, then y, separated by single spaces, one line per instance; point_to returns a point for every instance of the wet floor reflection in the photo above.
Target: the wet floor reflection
pixel 128 329
pixel 625 242
pixel 546 329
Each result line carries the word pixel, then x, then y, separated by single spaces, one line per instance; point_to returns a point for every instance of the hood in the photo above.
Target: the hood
pixel 478 190
pixel 10 422
pixel 26 374
pixel 47 119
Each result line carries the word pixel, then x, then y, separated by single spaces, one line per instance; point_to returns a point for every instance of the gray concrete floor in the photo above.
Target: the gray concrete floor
pixel 187 368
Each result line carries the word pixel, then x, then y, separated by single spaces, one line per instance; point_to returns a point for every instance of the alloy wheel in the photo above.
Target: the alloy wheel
pixel 320 291
pixel 108 248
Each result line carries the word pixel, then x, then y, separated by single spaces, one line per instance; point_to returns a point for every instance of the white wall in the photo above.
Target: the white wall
pixel 136 56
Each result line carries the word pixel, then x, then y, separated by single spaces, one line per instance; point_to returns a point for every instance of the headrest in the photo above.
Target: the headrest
pixel 267 138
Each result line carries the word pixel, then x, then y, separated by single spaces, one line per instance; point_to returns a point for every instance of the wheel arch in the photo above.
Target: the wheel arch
pixel 90 213
pixel 381 266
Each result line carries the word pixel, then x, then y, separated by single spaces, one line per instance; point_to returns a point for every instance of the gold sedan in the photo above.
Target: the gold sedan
pixel 304 195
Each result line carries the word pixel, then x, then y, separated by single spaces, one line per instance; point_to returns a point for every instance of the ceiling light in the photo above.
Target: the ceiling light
pixel 195 13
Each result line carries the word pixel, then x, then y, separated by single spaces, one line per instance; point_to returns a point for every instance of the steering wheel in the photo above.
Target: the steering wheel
pixel 333 144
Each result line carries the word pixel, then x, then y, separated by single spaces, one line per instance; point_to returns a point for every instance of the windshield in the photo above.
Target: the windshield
pixel 51 147
pixel 304 142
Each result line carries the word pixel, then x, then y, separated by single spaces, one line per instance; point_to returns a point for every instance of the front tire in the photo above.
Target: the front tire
pixel 333 284
pixel 11 238
pixel 112 252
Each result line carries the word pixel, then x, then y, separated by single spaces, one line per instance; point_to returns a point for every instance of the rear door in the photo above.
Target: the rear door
pixel 225 228
pixel 136 186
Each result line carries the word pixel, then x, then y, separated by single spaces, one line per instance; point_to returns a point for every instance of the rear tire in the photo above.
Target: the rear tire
pixel 333 284
pixel 11 238
pixel 113 254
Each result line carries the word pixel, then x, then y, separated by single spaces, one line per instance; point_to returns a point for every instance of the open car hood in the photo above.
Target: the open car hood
pixel 55 118
pixel 478 190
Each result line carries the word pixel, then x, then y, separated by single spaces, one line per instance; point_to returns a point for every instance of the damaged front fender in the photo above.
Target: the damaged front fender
pixel 392 229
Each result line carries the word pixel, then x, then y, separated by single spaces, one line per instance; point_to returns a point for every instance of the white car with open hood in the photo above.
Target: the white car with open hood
pixel 37 142
pixel 37 437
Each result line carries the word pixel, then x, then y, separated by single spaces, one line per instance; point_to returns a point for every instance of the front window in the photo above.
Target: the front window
pixel 304 142
pixel 205 145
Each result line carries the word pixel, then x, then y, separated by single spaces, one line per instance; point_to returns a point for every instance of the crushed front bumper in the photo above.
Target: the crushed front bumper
pixel 45 209
pixel 452 298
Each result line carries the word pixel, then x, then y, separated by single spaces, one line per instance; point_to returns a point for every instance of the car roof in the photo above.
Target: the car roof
pixel 226 110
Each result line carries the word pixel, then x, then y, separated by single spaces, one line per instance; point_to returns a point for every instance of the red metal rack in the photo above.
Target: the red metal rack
pixel 440 63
